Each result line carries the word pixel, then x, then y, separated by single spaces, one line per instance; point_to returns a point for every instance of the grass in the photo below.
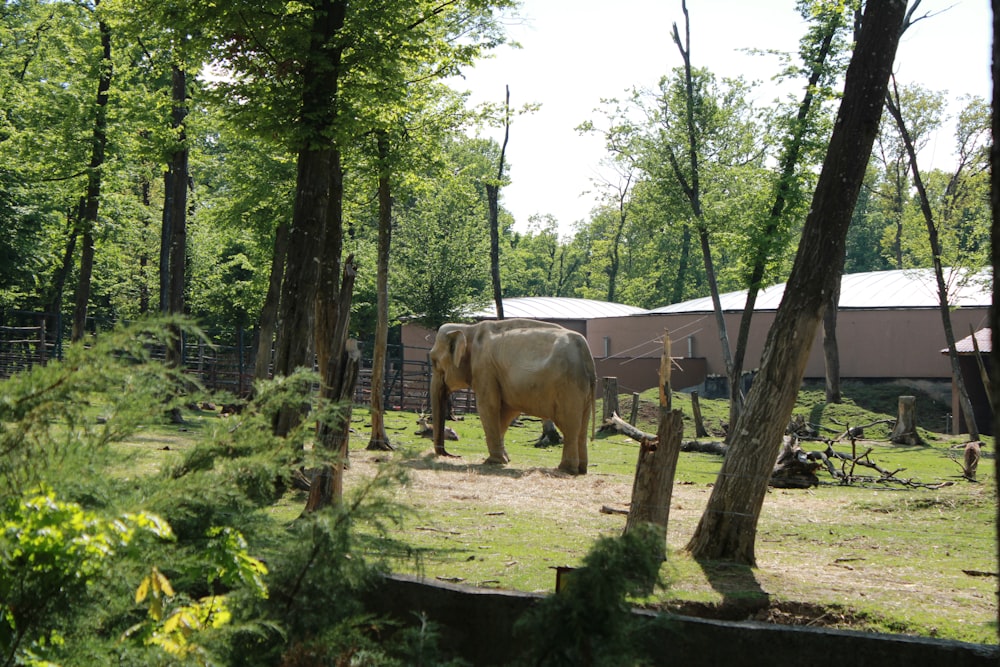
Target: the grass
pixel 870 556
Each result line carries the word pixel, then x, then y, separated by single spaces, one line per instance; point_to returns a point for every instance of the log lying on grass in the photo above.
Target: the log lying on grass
pixel 616 423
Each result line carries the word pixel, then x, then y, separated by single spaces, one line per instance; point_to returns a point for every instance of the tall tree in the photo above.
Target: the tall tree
pixel 728 527
pixel 493 198
pixel 175 209
pixel 91 201
pixel 966 153
pixel 379 438
pixel 922 111
pixel 691 184
pixel 994 157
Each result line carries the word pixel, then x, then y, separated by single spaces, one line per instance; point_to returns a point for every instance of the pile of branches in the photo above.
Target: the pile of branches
pixel 796 467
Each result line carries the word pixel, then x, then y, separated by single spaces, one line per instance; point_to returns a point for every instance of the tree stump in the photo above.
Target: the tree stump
pixel 550 435
pixel 794 469
pixel 970 460
pixel 634 415
pixel 905 432
pixel 610 398
pixel 653 485
pixel 699 424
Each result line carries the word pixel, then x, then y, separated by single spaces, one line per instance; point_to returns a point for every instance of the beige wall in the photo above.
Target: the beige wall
pixel 872 343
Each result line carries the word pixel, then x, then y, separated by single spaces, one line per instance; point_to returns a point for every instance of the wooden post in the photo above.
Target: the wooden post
pixel 610 398
pixel 699 424
pixel 905 432
pixel 652 488
pixel 634 417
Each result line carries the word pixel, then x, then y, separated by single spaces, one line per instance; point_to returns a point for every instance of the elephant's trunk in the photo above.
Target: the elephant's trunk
pixel 439 410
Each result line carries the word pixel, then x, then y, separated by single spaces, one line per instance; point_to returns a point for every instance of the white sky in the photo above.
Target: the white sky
pixel 576 53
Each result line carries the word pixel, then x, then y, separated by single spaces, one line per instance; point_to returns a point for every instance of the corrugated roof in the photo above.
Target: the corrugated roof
pixel 907 288
pixel 983 337
pixel 558 308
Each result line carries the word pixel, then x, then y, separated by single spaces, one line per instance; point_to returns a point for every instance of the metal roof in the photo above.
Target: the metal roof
pixel 983 339
pixel 558 308
pixel 907 288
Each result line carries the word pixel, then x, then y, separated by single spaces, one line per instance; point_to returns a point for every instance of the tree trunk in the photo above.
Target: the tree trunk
pixel 493 198
pixel 379 438
pixel 995 246
pixel 932 235
pixel 677 292
pixel 699 423
pixel 269 311
pixel 178 213
pixel 692 191
pixel 728 527
pixel 653 485
pixel 339 379
pixel 143 257
pixel 633 416
pixel 905 431
pixel 313 259
pixel 831 352
pixel 610 398
pixel 54 301
pixel 165 236
pixel 550 435
pixel 90 207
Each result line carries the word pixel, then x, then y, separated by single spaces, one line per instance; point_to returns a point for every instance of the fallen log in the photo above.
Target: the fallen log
pixel 616 423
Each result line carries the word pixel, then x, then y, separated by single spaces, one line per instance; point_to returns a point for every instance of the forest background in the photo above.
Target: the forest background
pixel 282 165
pixel 93 124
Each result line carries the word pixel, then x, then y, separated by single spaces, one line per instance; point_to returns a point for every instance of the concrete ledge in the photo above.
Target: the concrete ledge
pixel 478 624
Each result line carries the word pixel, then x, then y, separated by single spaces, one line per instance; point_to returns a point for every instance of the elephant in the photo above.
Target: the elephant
pixel 517 366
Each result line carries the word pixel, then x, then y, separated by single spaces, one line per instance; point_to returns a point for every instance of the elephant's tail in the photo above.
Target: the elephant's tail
pixel 593 410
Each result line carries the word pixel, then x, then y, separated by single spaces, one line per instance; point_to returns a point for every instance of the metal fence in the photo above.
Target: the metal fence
pixel 225 362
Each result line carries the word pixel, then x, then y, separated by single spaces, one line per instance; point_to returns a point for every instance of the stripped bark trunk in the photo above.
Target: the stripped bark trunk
pixel 337 388
pixel 653 485
pixel 727 529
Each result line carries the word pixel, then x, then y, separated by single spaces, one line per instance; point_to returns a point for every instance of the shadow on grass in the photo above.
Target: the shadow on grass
pixel 461 465
pixel 742 596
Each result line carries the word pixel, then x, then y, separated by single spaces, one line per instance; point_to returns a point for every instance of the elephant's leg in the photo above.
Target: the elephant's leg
pixel 495 425
pixel 574 456
pixel 571 451
pixel 507 417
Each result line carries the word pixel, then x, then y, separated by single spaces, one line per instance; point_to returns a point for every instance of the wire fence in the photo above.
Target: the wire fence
pixel 224 361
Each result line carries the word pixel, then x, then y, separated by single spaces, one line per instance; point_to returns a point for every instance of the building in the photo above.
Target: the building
pixel 888 327
pixel 974 353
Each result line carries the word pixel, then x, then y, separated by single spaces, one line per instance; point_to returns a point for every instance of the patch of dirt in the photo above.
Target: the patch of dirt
pixel 771 611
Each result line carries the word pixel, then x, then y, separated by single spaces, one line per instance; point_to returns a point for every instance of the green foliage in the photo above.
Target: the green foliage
pixel 59 418
pixel 49 553
pixel 202 596
pixel 442 247
pixel 589 622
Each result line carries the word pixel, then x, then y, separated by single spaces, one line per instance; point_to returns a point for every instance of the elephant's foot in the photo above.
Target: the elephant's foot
pixel 498 459
pixel 573 468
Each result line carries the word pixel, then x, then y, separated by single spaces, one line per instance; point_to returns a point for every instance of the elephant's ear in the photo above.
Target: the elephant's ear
pixel 458 347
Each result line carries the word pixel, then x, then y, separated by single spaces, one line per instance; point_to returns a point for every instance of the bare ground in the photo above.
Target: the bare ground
pixel 816 569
